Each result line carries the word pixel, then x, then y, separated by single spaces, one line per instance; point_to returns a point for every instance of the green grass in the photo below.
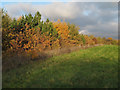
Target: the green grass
pixel 90 68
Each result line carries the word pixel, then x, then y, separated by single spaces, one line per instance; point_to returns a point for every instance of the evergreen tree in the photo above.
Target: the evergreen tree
pixel 6 21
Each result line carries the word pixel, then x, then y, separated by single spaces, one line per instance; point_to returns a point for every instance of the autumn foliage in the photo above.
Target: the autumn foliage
pixel 30 35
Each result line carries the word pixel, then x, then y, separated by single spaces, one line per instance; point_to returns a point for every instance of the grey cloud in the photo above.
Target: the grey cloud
pixel 59 10
pixel 104 30
pixel 107 5
pixel 19 9
pixel 100 21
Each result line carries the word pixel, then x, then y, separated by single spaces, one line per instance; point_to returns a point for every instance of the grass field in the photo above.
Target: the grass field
pixel 95 67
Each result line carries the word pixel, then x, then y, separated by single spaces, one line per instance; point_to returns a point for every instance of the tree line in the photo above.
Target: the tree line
pixel 30 34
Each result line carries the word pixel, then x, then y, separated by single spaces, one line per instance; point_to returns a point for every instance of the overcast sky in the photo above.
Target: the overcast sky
pixel 99 19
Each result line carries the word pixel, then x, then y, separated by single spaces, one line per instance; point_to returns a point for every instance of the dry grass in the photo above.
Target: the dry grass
pixel 12 60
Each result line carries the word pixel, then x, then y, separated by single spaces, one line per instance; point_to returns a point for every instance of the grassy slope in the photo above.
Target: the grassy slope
pixel 93 67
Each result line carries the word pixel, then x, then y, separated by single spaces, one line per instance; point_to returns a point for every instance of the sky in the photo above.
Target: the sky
pixel 93 18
